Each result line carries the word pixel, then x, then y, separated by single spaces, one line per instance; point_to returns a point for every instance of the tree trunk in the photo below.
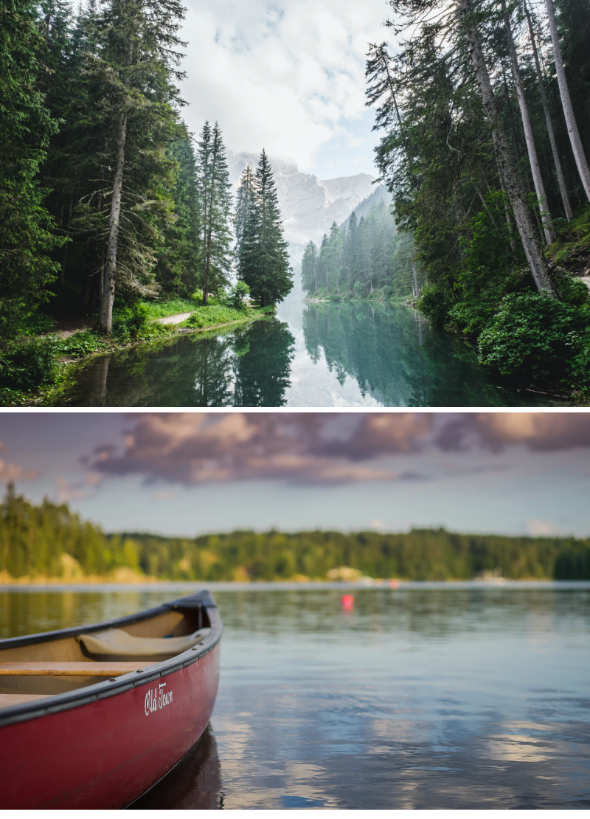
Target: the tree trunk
pixel 546 220
pixel 565 200
pixel 110 267
pixel 506 159
pixel 566 104
pixel 415 288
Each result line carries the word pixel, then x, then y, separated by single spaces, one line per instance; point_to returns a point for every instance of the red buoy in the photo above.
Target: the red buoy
pixel 347 602
pixel 393 583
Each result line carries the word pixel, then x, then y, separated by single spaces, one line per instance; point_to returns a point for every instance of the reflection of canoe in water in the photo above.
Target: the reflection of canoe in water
pixel 93 716
pixel 194 784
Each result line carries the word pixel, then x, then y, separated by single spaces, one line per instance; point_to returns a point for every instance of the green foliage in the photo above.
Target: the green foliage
pixel 261 251
pixel 214 314
pixel 130 321
pixel 434 302
pixel 82 344
pixel 438 159
pixel 238 295
pixel 170 307
pixel 533 338
pixel 29 363
pixel 27 270
pixel 214 191
pixel 34 539
pixel 363 257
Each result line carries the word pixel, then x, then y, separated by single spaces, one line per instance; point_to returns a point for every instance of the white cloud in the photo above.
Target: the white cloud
pixel 288 77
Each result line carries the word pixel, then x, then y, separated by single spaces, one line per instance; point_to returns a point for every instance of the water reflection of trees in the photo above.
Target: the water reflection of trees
pixel 245 368
pixel 262 369
pixel 396 357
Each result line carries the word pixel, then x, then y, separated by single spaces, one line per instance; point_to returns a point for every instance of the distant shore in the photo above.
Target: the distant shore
pixel 129 577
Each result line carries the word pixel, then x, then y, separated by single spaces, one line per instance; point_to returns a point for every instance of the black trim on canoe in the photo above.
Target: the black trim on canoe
pixel 55 703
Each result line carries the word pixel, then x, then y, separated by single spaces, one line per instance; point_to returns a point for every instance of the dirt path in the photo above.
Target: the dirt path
pixel 176 319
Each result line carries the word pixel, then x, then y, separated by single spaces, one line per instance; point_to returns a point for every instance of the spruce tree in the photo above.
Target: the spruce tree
pixel 245 205
pixel 26 236
pixel 309 268
pixel 267 270
pixel 178 266
pixel 137 67
pixel 215 214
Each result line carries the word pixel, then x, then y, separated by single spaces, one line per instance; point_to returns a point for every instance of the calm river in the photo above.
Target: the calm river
pixel 429 696
pixel 317 355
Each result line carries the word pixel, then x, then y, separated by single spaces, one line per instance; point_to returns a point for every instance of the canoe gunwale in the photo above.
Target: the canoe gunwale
pixel 56 703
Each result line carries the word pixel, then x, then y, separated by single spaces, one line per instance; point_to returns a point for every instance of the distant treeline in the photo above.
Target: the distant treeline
pixel 364 254
pixel 34 539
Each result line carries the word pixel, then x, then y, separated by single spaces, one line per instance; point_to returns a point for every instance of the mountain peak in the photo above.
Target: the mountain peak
pixel 308 205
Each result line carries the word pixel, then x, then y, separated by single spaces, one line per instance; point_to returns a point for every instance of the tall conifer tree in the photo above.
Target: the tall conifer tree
pixel 266 260
pixel 215 200
pixel 26 238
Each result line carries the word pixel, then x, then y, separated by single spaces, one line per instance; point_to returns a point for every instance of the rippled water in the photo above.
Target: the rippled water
pixel 356 354
pixel 423 697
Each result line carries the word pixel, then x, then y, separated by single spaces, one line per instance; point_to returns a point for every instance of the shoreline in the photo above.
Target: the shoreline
pixel 411 303
pixel 68 367
pixel 129 582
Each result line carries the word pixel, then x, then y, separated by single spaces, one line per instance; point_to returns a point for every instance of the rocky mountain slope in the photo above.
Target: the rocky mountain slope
pixel 308 205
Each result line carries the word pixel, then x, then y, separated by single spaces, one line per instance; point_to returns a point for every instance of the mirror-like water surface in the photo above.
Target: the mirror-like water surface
pixel 427 697
pixel 337 354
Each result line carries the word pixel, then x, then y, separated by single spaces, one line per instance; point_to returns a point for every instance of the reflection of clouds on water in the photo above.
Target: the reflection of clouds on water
pixel 424 699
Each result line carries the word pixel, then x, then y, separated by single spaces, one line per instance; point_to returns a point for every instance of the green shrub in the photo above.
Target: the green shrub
pixel 129 321
pixel 569 288
pixel 434 303
pixel 237 295
pixel 534 339
pixel 28 364
pixel 81 344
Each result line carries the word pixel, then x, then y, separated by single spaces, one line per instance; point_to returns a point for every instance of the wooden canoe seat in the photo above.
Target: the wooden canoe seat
pixel 89 668
pixel 116 642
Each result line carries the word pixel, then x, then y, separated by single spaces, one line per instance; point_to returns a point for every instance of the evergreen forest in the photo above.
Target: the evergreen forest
pixel 363 258
pixel 109 206
pixel 48 540
pixel 483 113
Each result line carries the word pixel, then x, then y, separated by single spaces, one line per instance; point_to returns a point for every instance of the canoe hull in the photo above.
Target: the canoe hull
pixel 106 753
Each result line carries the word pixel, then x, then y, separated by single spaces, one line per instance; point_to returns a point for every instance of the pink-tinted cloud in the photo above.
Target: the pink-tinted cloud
pixel 495 431
pixel 322 448
pixel 15 472
pixel 68 491
pixel 194 448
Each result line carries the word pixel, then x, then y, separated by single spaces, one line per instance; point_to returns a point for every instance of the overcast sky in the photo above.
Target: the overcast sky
pixel 287 75
pixel 202 472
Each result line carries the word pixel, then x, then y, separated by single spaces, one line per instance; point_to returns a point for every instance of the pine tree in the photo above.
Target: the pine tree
pixel 266 261
pixel 26 236
pixel 215 202
pixel 566 103
pixel 180 259
pixel 243 220
pixel 309 268
pixel 137 65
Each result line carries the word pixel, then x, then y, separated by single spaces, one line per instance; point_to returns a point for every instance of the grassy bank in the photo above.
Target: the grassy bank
pixel 35 370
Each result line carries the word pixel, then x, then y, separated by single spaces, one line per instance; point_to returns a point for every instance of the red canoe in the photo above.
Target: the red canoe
pixel 93 717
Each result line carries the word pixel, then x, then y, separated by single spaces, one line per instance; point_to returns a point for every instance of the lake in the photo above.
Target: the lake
pixel 356 354
pixel 428 696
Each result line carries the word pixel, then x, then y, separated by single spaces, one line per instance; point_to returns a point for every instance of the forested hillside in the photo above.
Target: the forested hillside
pixel 107 202
pixel 485 119
pixel 364 257
pixel 51 541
